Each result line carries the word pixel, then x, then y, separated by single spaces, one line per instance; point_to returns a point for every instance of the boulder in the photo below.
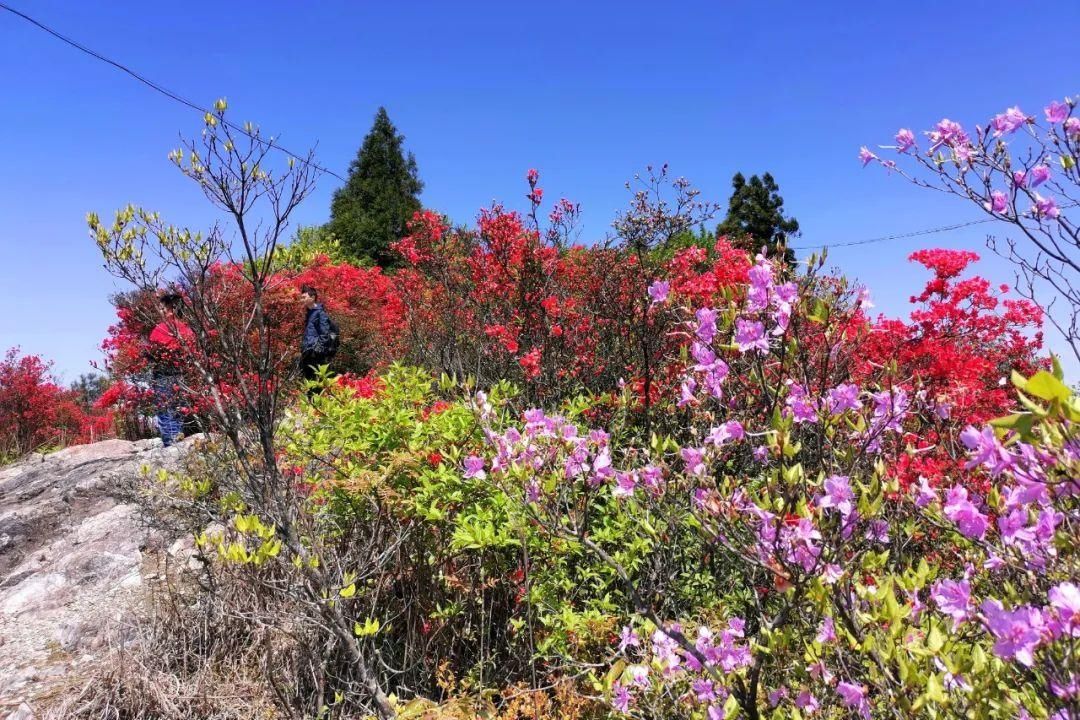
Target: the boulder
pixel 71 551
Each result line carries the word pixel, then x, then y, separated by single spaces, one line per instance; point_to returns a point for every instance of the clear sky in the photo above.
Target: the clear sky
pixel 588 93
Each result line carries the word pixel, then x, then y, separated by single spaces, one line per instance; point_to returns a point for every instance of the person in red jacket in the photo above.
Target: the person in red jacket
pixel 168 342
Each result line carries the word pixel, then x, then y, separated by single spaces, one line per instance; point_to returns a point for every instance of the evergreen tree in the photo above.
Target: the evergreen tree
pixel 755 216
pixel 380 196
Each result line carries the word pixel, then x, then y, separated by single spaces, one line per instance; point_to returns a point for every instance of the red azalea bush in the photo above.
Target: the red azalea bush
pixel 362 301
pixel 37 413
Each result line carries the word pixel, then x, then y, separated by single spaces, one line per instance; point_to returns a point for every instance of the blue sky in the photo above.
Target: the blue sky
pixel 588 93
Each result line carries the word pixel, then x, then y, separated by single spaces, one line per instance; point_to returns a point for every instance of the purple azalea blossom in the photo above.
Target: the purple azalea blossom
pixel 704 690
pixel 1008 122
pixel 628 638
pixel 969 521
pixel 761 454
pixel 953 598
pixel 800 540
pixel 620 698
pixel 686 392
pixel 750 336
pixel 924 494
pixel 731 430
pixel 837 495
pixel 1056 112
pixel 1072 127
pixel 865 156
pixel 905 140
pixel 775 696
pixel 474 468
pixel 706 324
pixel 831 573
pixel 715 712
pixel 803 407
pixel 1020 179
pixel 1038 175
pixel 652 477
pixel 854 697
pixel 1045 207
pixel 827 632
pixel 625 483
pixel 1065 600
pixel 806 702
pixel 659 290
pixel 949 133
pixel 999 202
pixel 1018 632
pixel 694 459
pixel 986 450
pixel 843 397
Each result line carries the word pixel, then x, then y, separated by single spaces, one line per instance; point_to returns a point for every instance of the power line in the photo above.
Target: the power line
pixel 914 233
pixel 898 236
pixel 163 90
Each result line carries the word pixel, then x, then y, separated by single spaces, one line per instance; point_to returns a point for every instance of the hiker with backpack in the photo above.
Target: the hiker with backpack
pixel 321 336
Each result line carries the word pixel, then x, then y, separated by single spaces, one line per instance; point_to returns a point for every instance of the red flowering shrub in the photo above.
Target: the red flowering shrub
pixel 36 412
pixel 961 344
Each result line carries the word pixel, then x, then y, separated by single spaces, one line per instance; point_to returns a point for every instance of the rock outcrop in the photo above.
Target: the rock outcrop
pixel 72 550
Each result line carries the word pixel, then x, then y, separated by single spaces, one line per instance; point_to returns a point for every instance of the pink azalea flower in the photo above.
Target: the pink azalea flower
pixel 628 638
pixel 686 392
pixel 843 397
pixel 838 495
pixel 969 521
pixel 775 696
pixel 1018 632
pixel 999 202
pixel 474 468
pixel 694 459
pixel 925 493
pixel 905 140
pixel 803 407
pixel 948 133
pixel 750 336
pixel 1065 600
pixel 1038 175
pixel 986 450
pixel 827 631
pixel 831 573
pixel 1020 179
pixel 625 483
pixel 704 690
pixel 658 291
pixel 1056 112
pixel 854 697
pixel 706 324
pixel 620 698
pixel 1008 122
pixel 806 702
pixel 866 156
pixel 1072 127
pixel 953 599
pixel 721 434
pixel 1045 207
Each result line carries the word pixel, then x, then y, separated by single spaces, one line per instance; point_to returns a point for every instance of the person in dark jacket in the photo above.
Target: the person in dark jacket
pixel 315 346
pixel 168 342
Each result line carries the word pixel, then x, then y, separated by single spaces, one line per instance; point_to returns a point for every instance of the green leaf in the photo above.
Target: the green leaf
pixel 370 627
pixel 1044 385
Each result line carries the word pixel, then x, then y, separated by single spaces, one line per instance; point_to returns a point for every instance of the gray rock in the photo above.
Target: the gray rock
pixel 70 555
pixel 23 712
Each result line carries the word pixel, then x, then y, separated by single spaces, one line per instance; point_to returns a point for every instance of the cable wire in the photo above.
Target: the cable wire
pixel 163 90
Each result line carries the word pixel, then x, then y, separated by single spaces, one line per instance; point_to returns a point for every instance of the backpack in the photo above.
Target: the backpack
pixel 334 341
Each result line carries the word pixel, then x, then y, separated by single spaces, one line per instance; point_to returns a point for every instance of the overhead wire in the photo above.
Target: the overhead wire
pixel 271 144
pixel 165 91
